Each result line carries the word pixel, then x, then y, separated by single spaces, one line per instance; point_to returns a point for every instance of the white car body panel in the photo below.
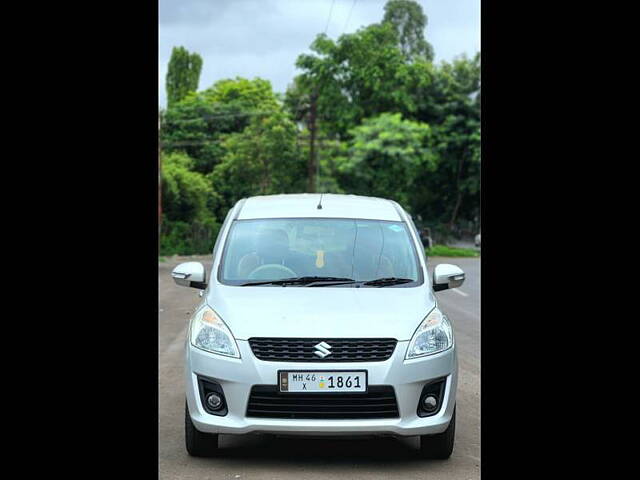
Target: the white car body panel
pixel 324 312
pixel 305 205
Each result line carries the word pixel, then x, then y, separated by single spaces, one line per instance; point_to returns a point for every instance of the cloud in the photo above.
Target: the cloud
pixel 263 38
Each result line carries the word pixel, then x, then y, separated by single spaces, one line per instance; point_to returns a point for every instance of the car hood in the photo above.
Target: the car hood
pixel 328 312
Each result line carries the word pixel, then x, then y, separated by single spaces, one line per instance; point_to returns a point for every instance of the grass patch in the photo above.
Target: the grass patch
pixel 445 251
pixel 162 259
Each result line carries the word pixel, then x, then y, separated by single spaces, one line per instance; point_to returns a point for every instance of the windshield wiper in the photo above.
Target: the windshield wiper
pixel 381 282
pixel 299 281
pixel 316 281
pixel 328 281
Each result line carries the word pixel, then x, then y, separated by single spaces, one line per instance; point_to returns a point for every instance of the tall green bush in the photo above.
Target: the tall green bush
pixel 189 204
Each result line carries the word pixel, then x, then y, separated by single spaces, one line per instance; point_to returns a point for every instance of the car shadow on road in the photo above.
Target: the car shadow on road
pixel 315 451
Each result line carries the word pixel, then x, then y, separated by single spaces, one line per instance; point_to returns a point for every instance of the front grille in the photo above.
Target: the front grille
pixel 342 349
pixel 267 402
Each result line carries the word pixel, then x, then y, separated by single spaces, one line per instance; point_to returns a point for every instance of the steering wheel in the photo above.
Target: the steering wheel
pixel 271 271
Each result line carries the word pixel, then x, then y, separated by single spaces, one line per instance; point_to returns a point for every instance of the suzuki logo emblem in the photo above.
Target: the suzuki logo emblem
pixel 322 349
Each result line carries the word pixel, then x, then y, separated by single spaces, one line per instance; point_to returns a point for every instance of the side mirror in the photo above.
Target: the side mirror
pixel 447 276
pixel 190 274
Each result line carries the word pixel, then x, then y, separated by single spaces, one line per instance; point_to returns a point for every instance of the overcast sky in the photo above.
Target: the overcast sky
pixel 263 38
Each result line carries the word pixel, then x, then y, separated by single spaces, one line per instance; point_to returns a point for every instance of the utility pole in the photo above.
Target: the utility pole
pixel 312 165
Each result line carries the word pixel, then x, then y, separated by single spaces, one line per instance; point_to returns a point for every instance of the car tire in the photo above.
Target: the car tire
pixel 440 445
pixel 199 444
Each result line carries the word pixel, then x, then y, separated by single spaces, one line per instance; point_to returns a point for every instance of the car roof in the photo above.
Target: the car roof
pixel 305 205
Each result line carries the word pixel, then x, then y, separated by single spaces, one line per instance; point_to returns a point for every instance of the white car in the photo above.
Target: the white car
pixel 318 318
pixel 477 240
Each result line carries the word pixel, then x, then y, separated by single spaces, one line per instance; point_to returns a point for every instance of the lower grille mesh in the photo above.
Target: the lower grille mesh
pixel 267 402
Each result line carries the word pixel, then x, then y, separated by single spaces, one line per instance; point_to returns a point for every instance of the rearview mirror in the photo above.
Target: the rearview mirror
pixel 447 276
pixel 190 274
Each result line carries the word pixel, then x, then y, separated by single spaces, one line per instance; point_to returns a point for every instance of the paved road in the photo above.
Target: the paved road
pixel 255 457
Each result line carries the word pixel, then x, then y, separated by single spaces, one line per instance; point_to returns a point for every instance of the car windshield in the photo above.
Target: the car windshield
pixel 316 251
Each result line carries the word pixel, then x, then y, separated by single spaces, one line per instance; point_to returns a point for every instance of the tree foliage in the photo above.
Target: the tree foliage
pixel 186 194
pixel 385 155
pixel 409 21
pixel 183 74
pixel 361 75
pixel 262 159
pixel 390 123
pixel 456 120
pixel 189 207
pixel 197 124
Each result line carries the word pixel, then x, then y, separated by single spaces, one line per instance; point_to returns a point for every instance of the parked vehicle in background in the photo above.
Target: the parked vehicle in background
pixel 477 240
pixel 318 317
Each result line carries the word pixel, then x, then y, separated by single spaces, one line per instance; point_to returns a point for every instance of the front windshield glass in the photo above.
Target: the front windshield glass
pixel 277 249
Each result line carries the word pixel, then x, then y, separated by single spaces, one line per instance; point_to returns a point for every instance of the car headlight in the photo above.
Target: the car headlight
pixel 432 336
pixel 209 332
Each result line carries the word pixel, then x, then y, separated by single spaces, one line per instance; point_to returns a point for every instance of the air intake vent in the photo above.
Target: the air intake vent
pixel 267 402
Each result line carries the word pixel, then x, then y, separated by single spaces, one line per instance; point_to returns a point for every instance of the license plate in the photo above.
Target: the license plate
pixel 323 381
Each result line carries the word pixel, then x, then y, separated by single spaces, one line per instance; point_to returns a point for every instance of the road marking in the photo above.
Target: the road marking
pixel 460 292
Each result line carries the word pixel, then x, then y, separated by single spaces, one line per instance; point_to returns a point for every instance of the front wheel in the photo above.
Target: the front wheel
pixel 199 444
pixel 440 445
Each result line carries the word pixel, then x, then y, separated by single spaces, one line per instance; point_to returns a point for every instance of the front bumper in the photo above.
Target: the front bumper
pixel 237 376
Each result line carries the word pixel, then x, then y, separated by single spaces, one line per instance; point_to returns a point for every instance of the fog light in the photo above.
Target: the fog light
pixel 429 403
pixel 214 402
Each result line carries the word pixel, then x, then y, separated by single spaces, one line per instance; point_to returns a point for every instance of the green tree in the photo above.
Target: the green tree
pixel 453 107
pixel 262 159
pixel 186 195
pixel 409 21
pixel 197 124
pixel 390 123
pixel 361 75
pixel 183 74
pixel 190 206
pixel 385 155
